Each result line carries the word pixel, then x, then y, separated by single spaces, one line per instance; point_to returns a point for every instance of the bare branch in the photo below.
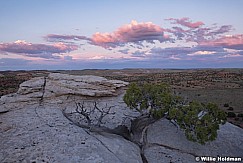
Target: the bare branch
pixel 93 115
pixel 83 112
pixel 103 112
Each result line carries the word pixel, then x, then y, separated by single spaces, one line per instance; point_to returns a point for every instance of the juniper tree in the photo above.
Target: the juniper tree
pixel 200 122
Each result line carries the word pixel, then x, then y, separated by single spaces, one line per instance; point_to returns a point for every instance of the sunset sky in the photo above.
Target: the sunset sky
pixel 114 34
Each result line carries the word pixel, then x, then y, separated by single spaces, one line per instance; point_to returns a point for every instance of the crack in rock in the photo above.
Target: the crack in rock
pixel 43 90
pixel 170 148
pixel 137 135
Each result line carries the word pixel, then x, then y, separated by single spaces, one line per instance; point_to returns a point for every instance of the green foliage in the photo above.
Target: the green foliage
pixel 156 99
pixel 200 122
pixel 133 97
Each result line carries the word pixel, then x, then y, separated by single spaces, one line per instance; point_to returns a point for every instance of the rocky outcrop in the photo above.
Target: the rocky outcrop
pixel 62 84
pixel 40 123
pixel 56 85
pixel 34 129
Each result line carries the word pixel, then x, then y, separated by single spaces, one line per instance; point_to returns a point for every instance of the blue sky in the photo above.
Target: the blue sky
pixel 61 34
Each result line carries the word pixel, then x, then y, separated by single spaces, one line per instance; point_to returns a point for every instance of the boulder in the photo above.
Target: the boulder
pixel 31 86
pixel 57 84
pixel 87 85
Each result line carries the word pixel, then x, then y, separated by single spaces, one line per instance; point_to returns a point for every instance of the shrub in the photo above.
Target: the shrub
pixel 199 121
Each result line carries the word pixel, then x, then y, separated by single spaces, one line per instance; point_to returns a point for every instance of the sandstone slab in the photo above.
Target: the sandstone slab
pixel 164 136
pixel 42 134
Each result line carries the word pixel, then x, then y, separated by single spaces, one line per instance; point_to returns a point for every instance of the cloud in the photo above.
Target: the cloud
pixel 232 55
pixel 141 42
pixel 186 22
pixel 221 30
pixel 139 54
pixel 206 34
pixel 186 52
pixel 135 33
pixel 169 52
pixel 208 42
pixel 207 48
pixel 37 50
pixel 179 32
pixel 124 51
pixel 230 42
pixel 195 32
pixel 56 37
pixel 98 57
pixel 201 53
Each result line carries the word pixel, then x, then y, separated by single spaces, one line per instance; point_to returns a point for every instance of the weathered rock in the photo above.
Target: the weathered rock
pixel 162 154
pixel 33 128
pixel 164 138
pixel 42 134
pixel 31 86
pixel 63 84
pixel 3 110
pixel 57 84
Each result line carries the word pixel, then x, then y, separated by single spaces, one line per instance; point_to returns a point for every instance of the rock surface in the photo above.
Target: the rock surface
pixel 169 143
pixel 42 134
pixel 33 127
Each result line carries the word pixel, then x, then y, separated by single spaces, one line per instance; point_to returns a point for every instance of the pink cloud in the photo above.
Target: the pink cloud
pixel 221 30
pixel 179 32
pixel 137 33
pixel 130 33
pixel 207 41
pixel 36 50
pixel 194 32
pixel 230 42
pixel 186 22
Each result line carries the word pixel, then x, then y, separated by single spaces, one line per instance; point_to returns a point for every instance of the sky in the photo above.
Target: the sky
pixel 116 34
